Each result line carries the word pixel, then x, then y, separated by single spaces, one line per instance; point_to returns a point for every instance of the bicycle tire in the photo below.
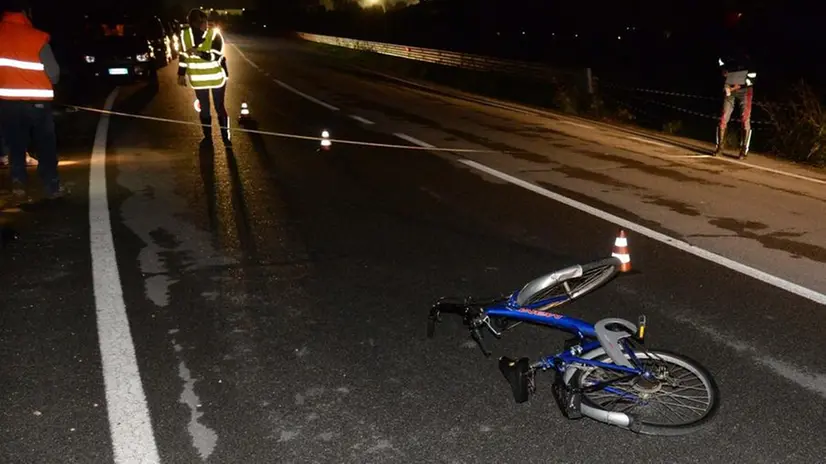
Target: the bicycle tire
pixel 573 376
pixel 596 274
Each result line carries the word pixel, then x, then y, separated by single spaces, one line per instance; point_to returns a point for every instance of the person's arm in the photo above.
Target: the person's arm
pixel 182 55
pixel 217 51
pixel 50 63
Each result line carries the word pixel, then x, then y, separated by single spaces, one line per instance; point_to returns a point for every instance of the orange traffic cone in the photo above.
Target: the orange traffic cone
pixel 622 252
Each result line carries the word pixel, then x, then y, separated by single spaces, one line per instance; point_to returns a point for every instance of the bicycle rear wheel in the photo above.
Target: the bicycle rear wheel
pixel 682 398
pixel 594 275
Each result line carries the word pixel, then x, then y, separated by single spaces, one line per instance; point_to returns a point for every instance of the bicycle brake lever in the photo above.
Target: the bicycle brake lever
pixel 432 319
pixel 478 337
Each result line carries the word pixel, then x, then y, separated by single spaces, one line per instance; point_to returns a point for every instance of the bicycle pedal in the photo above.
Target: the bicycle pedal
pixel 568 400
pixel 517 374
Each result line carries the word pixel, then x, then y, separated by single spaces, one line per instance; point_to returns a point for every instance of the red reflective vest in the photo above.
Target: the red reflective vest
pixel 22 74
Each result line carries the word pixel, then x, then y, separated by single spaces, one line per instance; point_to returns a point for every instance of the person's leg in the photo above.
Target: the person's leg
pixel 45 144
pixel 745 105
pixel 221 110
pixel 728 107
pixel 16 127
pixel 205 115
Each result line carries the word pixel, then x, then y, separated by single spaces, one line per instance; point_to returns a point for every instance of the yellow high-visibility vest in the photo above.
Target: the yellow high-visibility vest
pixel 203 74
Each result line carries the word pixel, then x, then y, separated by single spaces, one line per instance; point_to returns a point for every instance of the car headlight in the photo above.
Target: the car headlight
pixel 143 58
pixel 89 58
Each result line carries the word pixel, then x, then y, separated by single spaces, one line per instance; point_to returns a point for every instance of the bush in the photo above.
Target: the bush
pixel 799 126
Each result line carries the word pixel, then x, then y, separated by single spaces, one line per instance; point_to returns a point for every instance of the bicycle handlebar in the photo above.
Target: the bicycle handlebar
pixel 470 314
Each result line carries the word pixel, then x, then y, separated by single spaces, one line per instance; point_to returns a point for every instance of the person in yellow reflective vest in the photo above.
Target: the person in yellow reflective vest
pixel 202 63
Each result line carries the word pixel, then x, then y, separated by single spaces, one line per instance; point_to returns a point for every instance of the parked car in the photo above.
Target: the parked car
pixel 124 48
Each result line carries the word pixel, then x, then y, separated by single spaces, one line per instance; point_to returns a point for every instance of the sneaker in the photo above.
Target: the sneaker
pixel 31 161
pixel 4 161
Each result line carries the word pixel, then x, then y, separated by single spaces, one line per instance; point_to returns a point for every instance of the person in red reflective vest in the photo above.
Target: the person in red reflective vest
pixel 28 72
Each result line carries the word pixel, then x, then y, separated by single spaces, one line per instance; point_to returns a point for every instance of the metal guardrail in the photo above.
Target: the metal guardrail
pixel 454 59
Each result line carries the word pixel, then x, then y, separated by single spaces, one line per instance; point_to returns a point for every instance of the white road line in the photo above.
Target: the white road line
pixel 774 171
pixel 304 95
pixel 413 140
pixel 285 85
pixel 654 235
pixel 584 126
pixel 650 142
pixel 130 425
pixel 361 120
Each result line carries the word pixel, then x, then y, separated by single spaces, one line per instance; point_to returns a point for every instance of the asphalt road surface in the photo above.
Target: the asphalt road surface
pixel 268 303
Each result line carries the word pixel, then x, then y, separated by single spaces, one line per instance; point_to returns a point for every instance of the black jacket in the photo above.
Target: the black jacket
pixel 733 59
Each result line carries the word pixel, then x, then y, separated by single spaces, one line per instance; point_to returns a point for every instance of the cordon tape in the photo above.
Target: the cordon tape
pixel 326 141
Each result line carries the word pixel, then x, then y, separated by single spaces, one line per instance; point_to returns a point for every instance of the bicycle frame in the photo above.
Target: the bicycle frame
pixel 583 330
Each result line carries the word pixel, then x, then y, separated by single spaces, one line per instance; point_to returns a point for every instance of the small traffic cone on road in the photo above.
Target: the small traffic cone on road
pixel 245 111
pixel 325 141
pixel 622 252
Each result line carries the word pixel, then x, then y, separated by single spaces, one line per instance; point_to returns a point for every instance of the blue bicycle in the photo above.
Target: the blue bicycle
pixel 605 372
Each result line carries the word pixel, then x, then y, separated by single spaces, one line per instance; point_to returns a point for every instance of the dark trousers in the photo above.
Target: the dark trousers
pixel 23 123
pixel 744 96
pixel 206 114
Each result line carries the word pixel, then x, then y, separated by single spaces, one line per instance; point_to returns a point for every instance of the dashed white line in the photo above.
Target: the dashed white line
pixel 654 235
pixel 361 120
pixel 304 95
pixel 285 85
pixel 413 140
pixel 133 439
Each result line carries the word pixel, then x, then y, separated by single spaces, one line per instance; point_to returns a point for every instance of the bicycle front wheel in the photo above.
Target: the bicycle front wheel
pixel 594 275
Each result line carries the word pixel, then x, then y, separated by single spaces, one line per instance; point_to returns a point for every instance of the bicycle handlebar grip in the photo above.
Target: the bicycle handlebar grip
pixel 478 337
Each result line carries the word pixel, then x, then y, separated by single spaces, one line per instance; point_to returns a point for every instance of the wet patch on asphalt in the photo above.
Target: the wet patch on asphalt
pixel 594 176
pixel 668 171
pixel 676 206
pixel 779 240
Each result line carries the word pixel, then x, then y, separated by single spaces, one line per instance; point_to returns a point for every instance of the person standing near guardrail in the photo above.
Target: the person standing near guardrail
pixel 28 73
pixel 739 77
pixel 202 61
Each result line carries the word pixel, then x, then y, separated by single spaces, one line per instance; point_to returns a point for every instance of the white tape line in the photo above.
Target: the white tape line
pixel 130 425
pixel 654 235
pixel 361 120
pixel 292 136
